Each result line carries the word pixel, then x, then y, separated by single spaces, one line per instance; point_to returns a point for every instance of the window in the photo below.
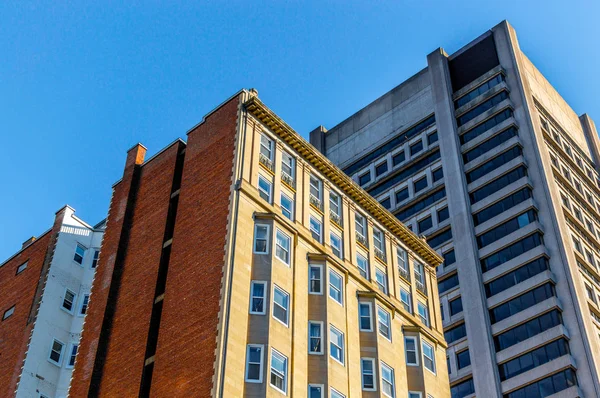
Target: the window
pixel 456 306
pixel 68 301
pixel 316 229
pixel 336 394
pixel 424 224
pixel 456 333
pixel 428 356
pixel 264 188
pixel 278 371
pixel 402 261
pixel 449 283
pixel 254 363
pixel 522 302
pixel 315 337
pixel 506 228
pixel 56 352
pixel 381 168
pixel 533 359
pixel 334 203
pixel 336 344
pixel 21 268
pixel 361 225
pixel 439 239
pixel 497 184
pixel 480 109
pixel 432 138
pixel 590 292
pixel 336 244
pixel 387 381
pixel 463 389
pixel 8 313
pixel 366 318
pixel 398 158
pixel 405 298
pixel 79 254
pixel 381 279
pixel 471 95
pixel 282 247
pixel 463 359
pixel 493 164
pixel 72 356
pixel 410 348
pixel 287 165
pixel 449 258
pixel 443 214
pixel 384 323
pixel 258 296
pixel 315 391
pixel 363 265
pixel 315 279
pixel 501 206
pixel 281 301
pixel 420 184
pixel 95 258
pixel 401 195
pixel 387 202
pixel 266 147
pixel 486 125
pixel 287 206
pixel 416 148
pixel 315 188
pixel 418 271
pixel 423 313
pixel 413 394
pixel 367 368
pixel 379 240
pixel 422 204
pixel 437 174
pixel 261 242
pixel 510 252
pixel 490 144
pixel 517 276
pixel 335 286
pixel 364 179
pixel 84 304
pixel 528 329
pixel 547 386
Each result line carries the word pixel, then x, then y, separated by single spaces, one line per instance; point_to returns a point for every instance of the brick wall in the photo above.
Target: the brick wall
pixel 188 331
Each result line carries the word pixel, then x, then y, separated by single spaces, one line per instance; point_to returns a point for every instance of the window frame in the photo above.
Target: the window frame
pixel 61 355
pixel 323 339
pixel 424 319
pixel 285 236
pixel 320 267
pixel 69 354
pixel 252 297
pixel 392 382
pixel 285 210
pixel 373 375
pixel 287 307
pixel 269 194
pixel 270 147
pixel 382 286
pixel 84 248
pixel 11 310
pixel 321 386
pixel 285 154
pixel 95 258
pixel 416 351
pixel 274 352
pixel 432 359
pixel 337 203
pixel 21 268
pixel 261 363
pixel 340 249
pixel 73 301
pixel 267 236
pixel 314 220
pixel 334 330
pixel 341 289
pixel 367 270
pixel 380 310
pixel 82 303
pixel 360 316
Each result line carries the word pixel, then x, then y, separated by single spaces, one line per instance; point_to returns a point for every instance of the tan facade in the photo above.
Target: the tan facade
pixel 281 339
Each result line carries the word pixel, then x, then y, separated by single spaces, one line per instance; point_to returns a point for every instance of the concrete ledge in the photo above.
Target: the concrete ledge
pixel 475 102
pixel 513 164
pixel 477 82
pixel 507 103
pixel 473 164
pixel 505 215
pixel 571 392
pixel 488 134
pixel 496 196
pixel 524 286
pixel 525 315
pixel 510 239
pixel 537 373
pixel 532 343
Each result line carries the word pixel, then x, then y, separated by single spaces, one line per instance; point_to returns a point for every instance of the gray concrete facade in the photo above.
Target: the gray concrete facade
pixel 510 148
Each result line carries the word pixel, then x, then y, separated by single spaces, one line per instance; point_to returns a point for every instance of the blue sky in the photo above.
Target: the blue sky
pixel 81 82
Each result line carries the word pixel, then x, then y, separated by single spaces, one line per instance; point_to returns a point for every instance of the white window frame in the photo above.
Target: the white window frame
pixel 370 305
pixel 322 337
pixel 260 189
pixel 418 270
pixel 73 302
pixel 389 323
pixel 287 238
pixel 252 297
pixel 336 331
pixel 318 188
pixel 416 350
pixel 81 303
pixel 378 239
pixel 274 352
pixel 62 352
pixel 366 271
pixel 69 353
pixel 362 224
pixel 267 236
pixel 269 149
pixel 95 258
pixel 407 303
pixel 321 284
pixel 335 202
pixel 392 382
pixel 382 286
pixel 285 154
pixel 415 394
pixel 374 375
pixel 332 236
pixel 336 394
pixel 425 318
pixel 341 289
pixel 287 308
pixel 285 209
pixel 319 233
pixel 423 344
pixel 85 249
pixel 321 386
pixel 261 363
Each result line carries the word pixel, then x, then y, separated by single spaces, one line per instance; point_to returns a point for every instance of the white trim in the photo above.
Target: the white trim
pixel 342 348
pixel 95 250
pixel 320 223
pixel 85 249
pixel 287 309
pixel 409 304
pixel 370 305
pixel 323 338
pixel 292 216
pixel 416 351
pixel 360 270
pixel 419 306
pixel 334 391
pixel 362 374
pixel 341 287
pixel 285 374
pixel 413 394
pixel 69 353
pixel 321 279
pixel 260 190
pixel 73 302
pixel 389 325
pixel 340 239
pixel 383 364
pixel 267 236
pixel 321 386
pixel 289 248
pixel 80 306
pixel 261 364
pixel 379 271
pixel 62 351
pixel 423 342
pixel 264 306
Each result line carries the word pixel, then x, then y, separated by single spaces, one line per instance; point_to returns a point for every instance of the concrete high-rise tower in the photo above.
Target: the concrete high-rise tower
pixel 479 153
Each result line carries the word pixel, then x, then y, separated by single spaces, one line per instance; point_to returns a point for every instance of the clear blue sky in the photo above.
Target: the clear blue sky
pixel 81 83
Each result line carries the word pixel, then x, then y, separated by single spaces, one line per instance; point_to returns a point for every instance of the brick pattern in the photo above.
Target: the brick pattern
pixel 188 331
pixel 24 292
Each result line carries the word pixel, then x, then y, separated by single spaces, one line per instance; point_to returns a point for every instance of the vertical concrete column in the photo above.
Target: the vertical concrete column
pixel 469 273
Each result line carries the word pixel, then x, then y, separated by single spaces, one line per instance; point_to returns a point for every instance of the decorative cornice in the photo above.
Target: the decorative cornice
pixel 260 111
